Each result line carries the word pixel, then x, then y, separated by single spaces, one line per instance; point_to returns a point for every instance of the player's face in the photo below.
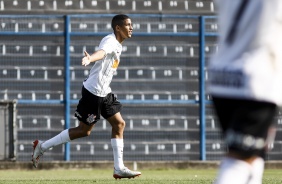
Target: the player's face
pixel 125 30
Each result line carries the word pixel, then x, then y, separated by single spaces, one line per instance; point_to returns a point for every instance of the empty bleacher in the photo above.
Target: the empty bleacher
pixel 146 69
pixel 159 64
pixel 198 7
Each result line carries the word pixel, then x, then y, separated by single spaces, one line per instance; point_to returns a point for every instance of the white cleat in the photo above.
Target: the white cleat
pixel 125 173
pixel 37 152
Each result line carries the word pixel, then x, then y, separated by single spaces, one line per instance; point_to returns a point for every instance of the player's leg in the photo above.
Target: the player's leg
pixel 39 147
pixel 111 112
pixel 230 169
pixel 118 125
pixel 247 124
pixel 82 130
pixel 85 114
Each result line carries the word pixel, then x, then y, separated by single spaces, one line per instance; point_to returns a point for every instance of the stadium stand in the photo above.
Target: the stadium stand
pixel 163 70
pixel 193 7
pixel 166 69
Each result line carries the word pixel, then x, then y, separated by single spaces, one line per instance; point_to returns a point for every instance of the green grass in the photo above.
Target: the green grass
pixel 83 176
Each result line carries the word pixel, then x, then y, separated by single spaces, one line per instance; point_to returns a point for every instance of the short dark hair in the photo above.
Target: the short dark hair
pixel 119 20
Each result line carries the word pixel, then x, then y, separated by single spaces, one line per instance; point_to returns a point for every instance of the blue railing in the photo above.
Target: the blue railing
pixel 67 33
pixel 203 101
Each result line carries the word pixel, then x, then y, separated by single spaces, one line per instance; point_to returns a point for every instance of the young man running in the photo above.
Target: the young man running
pixel 97 99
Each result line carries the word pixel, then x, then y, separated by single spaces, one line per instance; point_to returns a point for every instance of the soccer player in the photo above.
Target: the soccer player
pixel 97 99
pixel 245 81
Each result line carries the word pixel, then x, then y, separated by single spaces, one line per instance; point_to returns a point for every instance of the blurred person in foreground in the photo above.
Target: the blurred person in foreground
pixel 97 99
pixel 245 81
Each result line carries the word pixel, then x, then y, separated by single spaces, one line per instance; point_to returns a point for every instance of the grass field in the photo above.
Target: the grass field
pixel 83 176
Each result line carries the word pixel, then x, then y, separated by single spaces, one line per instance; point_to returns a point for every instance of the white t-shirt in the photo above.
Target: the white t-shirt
pixel 101 73
pixel 250 66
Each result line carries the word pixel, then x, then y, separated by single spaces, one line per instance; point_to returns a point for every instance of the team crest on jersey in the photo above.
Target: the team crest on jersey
pixel 91 118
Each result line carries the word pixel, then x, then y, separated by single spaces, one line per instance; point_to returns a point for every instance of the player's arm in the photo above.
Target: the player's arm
pixel 87 59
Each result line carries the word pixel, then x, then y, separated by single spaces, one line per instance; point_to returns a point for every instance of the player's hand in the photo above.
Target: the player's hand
pixel 86 59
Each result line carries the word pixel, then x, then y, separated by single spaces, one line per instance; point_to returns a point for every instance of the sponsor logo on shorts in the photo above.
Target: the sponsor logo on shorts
pixel 91 118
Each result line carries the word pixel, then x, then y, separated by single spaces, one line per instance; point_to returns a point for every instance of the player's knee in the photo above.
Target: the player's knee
pixel 87 133
pixel 84 132
pixel 121 124
pixel 119 127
